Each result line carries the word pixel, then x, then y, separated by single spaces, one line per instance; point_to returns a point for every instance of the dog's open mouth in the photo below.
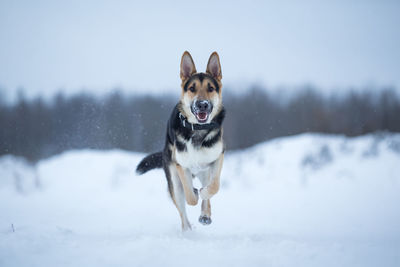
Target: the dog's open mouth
pixel 201 116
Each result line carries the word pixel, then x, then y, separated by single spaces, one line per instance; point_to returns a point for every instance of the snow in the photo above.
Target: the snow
pixel 306 200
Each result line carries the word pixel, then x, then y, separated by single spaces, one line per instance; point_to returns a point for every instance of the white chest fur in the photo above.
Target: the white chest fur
pixel 197 159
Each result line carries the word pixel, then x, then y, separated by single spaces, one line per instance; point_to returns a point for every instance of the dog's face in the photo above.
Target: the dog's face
pixel 201 92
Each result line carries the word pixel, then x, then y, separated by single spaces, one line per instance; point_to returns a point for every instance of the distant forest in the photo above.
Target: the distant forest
pixel 37 129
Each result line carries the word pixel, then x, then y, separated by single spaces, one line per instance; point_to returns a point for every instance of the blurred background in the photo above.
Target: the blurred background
pixel 312 93
pixel 105 74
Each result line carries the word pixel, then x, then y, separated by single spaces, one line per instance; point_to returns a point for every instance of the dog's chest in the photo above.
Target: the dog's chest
pixel 198 158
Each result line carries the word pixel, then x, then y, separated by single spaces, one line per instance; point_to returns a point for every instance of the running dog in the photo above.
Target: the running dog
pixel 194 146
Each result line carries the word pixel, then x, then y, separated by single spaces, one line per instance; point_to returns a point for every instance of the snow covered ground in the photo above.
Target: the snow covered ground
pixel 306 200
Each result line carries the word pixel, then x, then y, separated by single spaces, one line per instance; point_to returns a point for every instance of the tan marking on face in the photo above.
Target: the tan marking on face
pixel 202 89
pixel 201 92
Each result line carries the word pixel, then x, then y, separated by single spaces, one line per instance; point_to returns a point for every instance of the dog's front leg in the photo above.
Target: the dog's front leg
pixel 191 193
pixel 212 188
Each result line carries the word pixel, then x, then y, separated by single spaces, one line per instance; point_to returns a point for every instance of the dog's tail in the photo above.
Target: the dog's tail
pixel 150 162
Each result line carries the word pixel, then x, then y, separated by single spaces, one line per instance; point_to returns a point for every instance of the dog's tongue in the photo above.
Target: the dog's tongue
pixel 202 115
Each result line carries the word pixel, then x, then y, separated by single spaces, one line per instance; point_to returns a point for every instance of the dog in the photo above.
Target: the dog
pixel 194 146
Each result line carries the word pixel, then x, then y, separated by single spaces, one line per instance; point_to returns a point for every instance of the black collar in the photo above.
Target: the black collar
pixel 196 126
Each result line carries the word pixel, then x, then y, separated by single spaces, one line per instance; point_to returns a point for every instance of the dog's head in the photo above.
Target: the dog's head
pixel 201 97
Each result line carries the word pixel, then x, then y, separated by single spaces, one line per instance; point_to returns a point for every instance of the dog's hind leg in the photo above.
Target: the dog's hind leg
pixel 178 196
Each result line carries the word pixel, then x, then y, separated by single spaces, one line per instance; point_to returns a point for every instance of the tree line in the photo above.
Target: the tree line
pixel 37 128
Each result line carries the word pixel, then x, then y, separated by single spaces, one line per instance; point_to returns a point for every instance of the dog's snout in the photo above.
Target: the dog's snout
pixel 202 105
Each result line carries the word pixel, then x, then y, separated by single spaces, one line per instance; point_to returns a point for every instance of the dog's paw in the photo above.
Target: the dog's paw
pixel 205 220
pixel 186 227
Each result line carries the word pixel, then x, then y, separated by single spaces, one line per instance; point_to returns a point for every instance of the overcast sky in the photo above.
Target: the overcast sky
pixel 46 46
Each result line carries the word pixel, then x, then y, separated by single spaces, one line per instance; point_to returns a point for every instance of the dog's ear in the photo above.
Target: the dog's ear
pixel 187 66
pixel 214 67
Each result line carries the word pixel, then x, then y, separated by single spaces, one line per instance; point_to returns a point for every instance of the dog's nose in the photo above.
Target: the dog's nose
pixel 202 105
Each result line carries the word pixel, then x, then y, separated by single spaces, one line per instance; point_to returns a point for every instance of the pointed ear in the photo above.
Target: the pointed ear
pixel 214 67
pixel 187 66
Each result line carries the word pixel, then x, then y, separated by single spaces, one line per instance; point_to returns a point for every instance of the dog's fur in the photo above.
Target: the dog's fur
pixel 194 145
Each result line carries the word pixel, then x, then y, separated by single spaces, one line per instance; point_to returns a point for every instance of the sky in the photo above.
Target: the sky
pixel 97 46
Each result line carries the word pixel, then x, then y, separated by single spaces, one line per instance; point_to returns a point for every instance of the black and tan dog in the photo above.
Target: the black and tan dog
pixel 194 145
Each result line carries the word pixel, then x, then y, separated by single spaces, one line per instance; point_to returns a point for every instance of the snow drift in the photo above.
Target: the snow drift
pixel 307 200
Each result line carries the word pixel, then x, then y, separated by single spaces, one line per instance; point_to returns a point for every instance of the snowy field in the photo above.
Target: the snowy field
pixel 306 200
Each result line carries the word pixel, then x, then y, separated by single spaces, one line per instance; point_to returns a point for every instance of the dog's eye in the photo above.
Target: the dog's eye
pixel 210 89
pixel 192 89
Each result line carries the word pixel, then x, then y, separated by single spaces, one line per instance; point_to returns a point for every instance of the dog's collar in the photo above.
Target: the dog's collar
pixel 196 126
